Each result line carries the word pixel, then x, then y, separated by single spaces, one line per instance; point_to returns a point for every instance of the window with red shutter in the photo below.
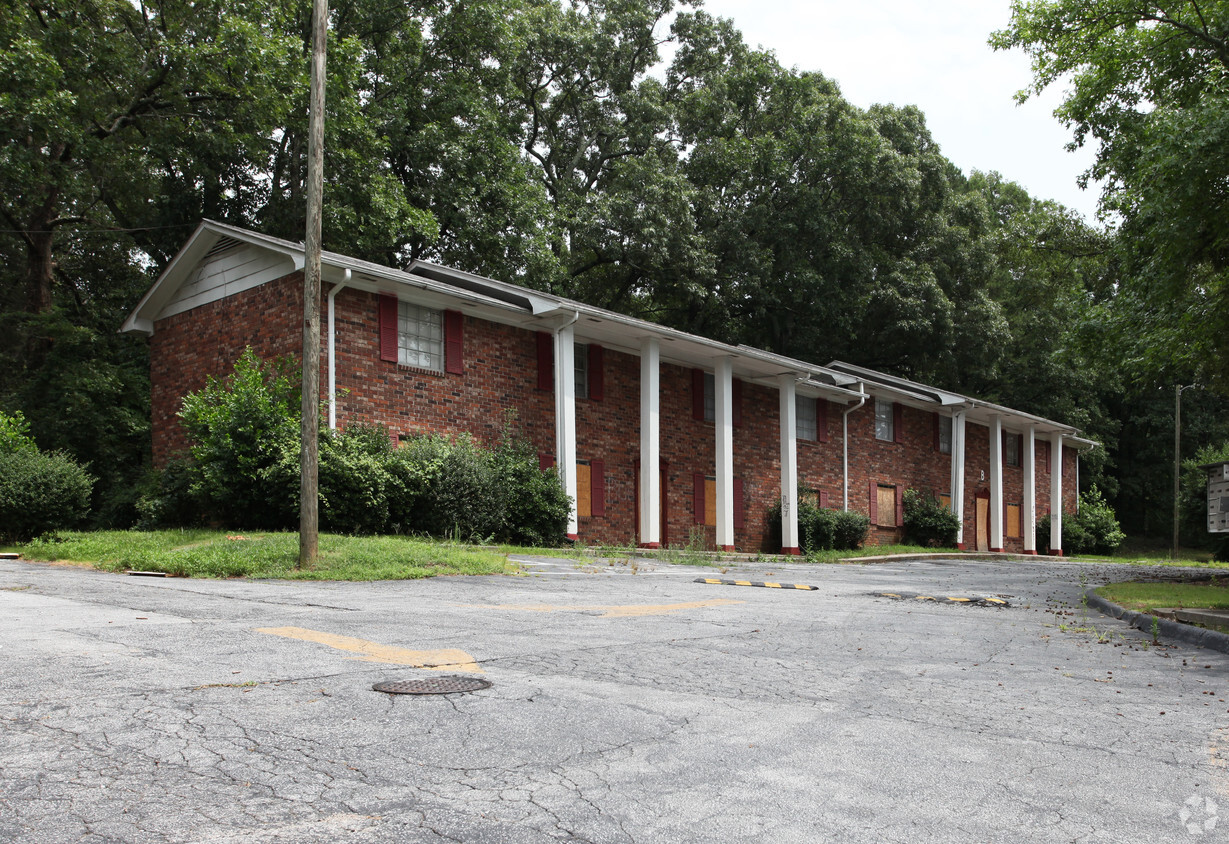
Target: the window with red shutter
pixel 898 416
pixel 821 419
pixel 697 395
pixel 597 477
pixel 545 461
pixel 736 402
pixel 597 372
pixel 454 346
pixel 698 483
pixel 387 311
pixel 874 503
pixel 546 361
pixel 738 503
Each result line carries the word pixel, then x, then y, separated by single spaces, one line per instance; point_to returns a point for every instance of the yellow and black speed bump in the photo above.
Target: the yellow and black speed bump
pixel 963 600
pixel 716 581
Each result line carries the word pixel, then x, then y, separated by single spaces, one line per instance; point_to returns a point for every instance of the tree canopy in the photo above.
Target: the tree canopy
pixel 636 154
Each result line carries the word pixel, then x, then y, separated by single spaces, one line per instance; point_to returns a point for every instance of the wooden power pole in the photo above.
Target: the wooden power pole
pixel 309 454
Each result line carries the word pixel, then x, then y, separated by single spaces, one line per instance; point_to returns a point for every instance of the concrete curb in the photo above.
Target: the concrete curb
pixel 1188 633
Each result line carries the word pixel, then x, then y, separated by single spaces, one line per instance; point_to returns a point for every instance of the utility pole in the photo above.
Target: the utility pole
pixel 309 454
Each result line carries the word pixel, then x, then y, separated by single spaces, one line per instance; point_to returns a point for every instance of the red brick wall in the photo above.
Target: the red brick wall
pixel 207 340
pixel 501 372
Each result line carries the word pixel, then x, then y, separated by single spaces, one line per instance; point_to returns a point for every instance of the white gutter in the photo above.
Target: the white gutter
pixel 345 279
pixel 845 440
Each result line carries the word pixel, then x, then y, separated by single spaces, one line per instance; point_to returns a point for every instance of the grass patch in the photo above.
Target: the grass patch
pixel 207 553
pixel 1143 596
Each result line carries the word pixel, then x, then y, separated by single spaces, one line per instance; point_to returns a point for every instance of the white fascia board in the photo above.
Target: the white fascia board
pixel 141 319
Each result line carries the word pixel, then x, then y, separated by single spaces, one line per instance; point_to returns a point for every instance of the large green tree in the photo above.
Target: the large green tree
pixel 1148 83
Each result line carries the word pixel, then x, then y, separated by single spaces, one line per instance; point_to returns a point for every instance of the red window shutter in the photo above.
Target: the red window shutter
pixel 821 419
pixel 546 361
pixel 736 402
pixel 1045 450
pixel 898 422
pixel 388 327
pixel 738 503
pixel 823 500
pixel 697 396
pixel 1020 449
pixel 597 476
pixel 698 503
pixel 454 345
pixel 597 372
pixel 545 461
pixel 900 505
pixel 874 502
pixel 938 424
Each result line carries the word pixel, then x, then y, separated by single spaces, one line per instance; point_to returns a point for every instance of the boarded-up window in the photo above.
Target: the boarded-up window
pixel 946 500
pixel 710 501
pixel 584 490
pixel 1013 521
pixel 885 506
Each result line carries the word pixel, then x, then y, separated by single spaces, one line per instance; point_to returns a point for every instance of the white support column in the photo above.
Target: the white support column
pixel 1028 518
pixel 1056 493
pixel 789 467
pixel 957 486
pixel 723 393
pixel 565 418
pixel 996 484
pixel 650 444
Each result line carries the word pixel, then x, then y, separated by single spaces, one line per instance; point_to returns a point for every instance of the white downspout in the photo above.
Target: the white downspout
pixel 845 440
pixel 345 279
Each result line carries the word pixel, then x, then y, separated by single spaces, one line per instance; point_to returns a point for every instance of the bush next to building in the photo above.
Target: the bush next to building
pixel 1093 530
pixel 242 471
pixel 820 529
pixel 39 491
pixel 927 522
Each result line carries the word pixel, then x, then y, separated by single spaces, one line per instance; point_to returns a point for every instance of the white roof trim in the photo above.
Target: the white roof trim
pixel 541 311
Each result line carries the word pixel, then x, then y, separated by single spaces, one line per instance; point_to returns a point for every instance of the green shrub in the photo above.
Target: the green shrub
pixel 849 529
pixel 15 433
pixel 244 434
pixel 820 529
pixel 927 522
pixel 1094 530
pixel 40 493
pixel 244 472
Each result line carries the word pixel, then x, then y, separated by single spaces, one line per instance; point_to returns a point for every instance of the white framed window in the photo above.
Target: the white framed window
pixel 808 426
pixel 945 435
pixel 420 337
pixel 885 423
pixel 580 366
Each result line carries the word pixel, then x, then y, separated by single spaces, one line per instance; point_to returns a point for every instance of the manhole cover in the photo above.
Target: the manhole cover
pixel 446 685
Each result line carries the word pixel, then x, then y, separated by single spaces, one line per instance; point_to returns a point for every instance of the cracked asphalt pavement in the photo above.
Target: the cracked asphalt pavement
pixel 629 704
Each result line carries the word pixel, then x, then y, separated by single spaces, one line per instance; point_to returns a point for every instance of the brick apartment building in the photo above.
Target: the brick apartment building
pixel 658 435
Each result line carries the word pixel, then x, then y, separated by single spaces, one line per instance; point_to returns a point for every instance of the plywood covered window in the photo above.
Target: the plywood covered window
pixel 590 488
pixel 886 505
pixel 1013 521
pixel 705 500
pixel 946 500
pixel 584 489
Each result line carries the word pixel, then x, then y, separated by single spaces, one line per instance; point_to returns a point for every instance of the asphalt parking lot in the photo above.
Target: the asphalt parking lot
pixel 628 703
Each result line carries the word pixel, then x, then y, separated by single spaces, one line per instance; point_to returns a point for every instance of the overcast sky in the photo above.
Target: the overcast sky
pixel 933 55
